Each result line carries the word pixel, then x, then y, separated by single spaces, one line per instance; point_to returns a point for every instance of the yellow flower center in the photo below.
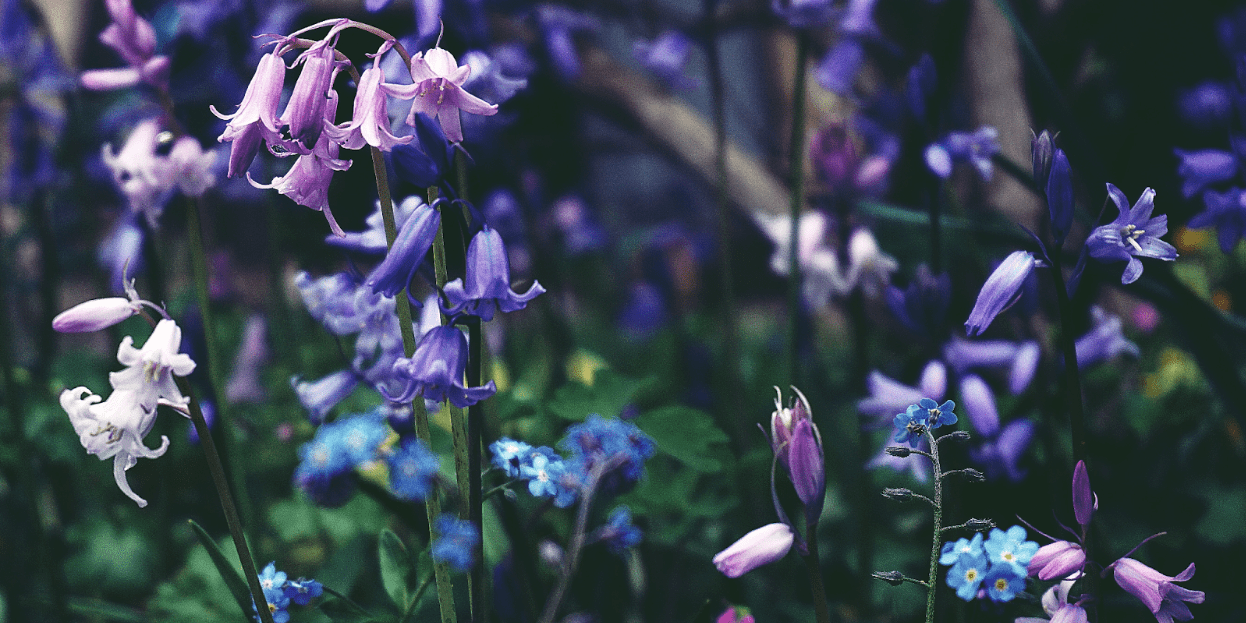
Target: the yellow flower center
pixel 971 575
pixel 1001 585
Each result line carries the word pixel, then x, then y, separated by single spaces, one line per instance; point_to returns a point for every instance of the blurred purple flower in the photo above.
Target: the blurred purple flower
pixel 922 306
pixel 372 239
pixel 666 57
pixel 319 397
pixel 1001 457
pixel 1202 168
pixel 979 404
pixel 243 385
pixel 1104 341
pixel 1226 211
pixel 558 24
pixel 976 148
pixel 888 396
pixel 838 70
pixel 1207 105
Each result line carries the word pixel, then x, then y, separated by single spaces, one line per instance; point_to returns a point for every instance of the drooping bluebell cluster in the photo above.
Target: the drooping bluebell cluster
pixel 280 591
pixel 995 569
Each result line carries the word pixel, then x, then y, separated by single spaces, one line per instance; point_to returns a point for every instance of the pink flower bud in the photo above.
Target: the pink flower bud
pixel 759 547
pixel 94 315
pixel 1057 560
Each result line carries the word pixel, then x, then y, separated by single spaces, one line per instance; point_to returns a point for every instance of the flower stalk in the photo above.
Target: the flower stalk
pixel 937 515
pixel 796 164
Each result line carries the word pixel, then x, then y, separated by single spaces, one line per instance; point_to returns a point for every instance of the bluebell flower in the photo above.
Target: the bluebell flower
pixel 1104 341
pixel 302 591
pixel 979 403
pixel 1158 592
pixel 920 85
pixel 456 542
pixel 487 286
pixel 1226 211
pixel 319 397
pixel 838 70
pixel 412 244
pixel 922 306
pixel 436 371
pixel 1001 290
pixel 412 470
pixel 1133 234
pixel 1010 549
pixel 1202 168
pixel 1059 192
pixel 491 78
pixel 975 147
pixel 509 455
pixel 558 24
pixel 1003 582
pixel 619 533
pixel 888 395
pixel 1206 105
pixel 966 575
pixel 372 239
pixel 1019 359
pixel 1000 457
pixel 952 552
pixel 666 57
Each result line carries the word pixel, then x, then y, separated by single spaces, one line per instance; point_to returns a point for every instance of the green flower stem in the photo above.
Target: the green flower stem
pixel 814 568
pixel 199 272
pixel 475 432
pixel 227 501
pixel 445 585
pixel 1071 380
pixel 937 513
pixel 796 164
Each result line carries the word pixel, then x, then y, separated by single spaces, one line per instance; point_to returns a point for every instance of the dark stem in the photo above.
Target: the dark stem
pixel 814 568
pixel 796 172
pixel 1070 380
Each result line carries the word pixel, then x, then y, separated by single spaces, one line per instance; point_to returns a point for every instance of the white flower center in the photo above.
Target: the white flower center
pixel 1130 234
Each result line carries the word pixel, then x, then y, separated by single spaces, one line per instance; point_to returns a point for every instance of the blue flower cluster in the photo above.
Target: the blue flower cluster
pixel 926 414
pixel 457 540
pixel 279 592
pixel 619 534
pixel 996 568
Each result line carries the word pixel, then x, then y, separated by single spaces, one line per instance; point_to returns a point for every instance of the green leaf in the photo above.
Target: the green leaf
pixel 233 578
pixel 1222 523
pixel 397 569
pixel 607 396
pixel 342 610
pixel 687 434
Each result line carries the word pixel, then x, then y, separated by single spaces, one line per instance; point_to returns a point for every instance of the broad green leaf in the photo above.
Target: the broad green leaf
pixel 345 611
pixel 397 569
pixel 687 434
pixel 607 396
pixel 233 578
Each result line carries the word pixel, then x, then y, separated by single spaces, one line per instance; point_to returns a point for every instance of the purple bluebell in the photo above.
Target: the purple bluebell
pixel 319 397
pixel 1158 592
pixel 243 384
pixel 1226 211
pixel 122 247
pixel 975 147
pixel 887 395
pixel 797 446
pixel 1133 234
pixel 1104 341
pixel 838 70
pixel 1059 192
pixel 491 78
pixel 979 403
pixel 438 92
pixel 922 306
pixel 644 312
pixel 1019 358
pixel 414 240
pixel 305 112
pixel 412 470
pixel 762 546
pixel 369 123
pixel 372 239
pixel 436 371
pixel 1085 502
pixel 558 24
pixel 619 534
pixel 1202 168
pixel 1001 290
pixel 1000 457
pixel 134 39
pixel 256 120
pixel 666 56
pixel 1206 105
pixel 456 542
pixel 509 455
pixel 1056 560
pixel 487 286
pixel 920 86
pixel 95 314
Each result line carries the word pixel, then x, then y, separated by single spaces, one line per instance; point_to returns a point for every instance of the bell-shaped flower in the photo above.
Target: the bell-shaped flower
pixel 134 39
pixel 797 445
pixel 439 93
pixel 1019 358
pixel 979 403
pixel 319 397
pixel 888 396
pixel 1200 169
pixel 369 124
pixel 759 547
pixel 1132 235
pixel 1057 560
pixel 243 385
pixel 144 176
pixel 1226 211
pixel 1157 591
pixel 256 120
pixel 1001 290
pixel 115 427
pixel 1001 456
pixel 488 282
pixel 305 112
pixel 1105 341
pixel 436 371
pixel 372 239
pixel 94 315
pixel 307 181
pixel 1059 193
pixel 412 244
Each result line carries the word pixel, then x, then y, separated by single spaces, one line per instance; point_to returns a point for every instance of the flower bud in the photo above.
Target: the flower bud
pixel 759 547
pixel 958 435
pixel 805 466
pixel 979 525
pixel 1060 196
pixel 1084 502
pixel 898 494
pixel 1001 290
pixel 899 451
pixel 1042 150
pixel 783 423
pixel 94 315
pixel 894 578
pixel 1057 560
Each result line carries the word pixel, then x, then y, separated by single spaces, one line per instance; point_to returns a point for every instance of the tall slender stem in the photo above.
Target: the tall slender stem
pixel 814 567
pixel 441 571
pixel 796 164
pixel 937 511
pixel 1070 379
pixel 572 556
pixel 199 271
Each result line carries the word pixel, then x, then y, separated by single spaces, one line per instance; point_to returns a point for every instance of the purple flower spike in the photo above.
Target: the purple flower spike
pixel 1057 560
pixel 1083 498
pixel 1226 211
pixel 1133 234
pixel 488 284
pixel 1001 290
pixel 414 240
pixel 1200 169
pixel 436 371
pixel 759 547
pixel 1158 592
pixel 256 120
